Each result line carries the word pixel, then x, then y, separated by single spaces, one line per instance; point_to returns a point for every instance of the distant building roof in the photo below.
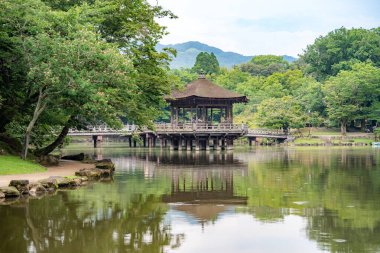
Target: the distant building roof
pixel 204 88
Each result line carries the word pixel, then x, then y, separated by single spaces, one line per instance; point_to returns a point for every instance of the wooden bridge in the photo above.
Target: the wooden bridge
pixel 222 133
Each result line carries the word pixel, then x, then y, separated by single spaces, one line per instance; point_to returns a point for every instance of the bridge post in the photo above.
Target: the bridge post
pixel 95 139
pixel 171 143
pixel 130 141
pixel 218 145
pixel 134 143
pixel 188 144
pixel 229 144
pixel 207 144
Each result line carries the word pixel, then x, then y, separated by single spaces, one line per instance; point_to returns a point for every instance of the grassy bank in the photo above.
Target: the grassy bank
pixel 14 165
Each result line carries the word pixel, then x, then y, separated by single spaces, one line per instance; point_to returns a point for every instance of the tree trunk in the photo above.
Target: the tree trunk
pixel 58 141
pixel 343 127
pixel 40 107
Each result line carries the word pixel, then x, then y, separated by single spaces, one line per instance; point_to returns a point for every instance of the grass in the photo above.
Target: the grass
pixel 309 141
pixel 10 164
pixel 353 141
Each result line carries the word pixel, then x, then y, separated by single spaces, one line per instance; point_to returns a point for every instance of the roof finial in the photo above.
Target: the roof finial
pixel 201 74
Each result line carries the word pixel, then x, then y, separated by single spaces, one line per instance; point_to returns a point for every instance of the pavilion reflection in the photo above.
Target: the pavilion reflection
pixel 202 184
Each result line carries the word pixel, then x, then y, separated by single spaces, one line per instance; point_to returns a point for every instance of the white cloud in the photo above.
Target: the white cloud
pixel 256 27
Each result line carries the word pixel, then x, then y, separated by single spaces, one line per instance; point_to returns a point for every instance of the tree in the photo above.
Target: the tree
pixel 351 94
pixel 340 49
pixel 83 73
pixel 206 63
pixel 34 41
pixel 281 113
pixel 265 65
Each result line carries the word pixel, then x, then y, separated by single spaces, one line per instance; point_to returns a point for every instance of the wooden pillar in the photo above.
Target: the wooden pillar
pixel 130 141
pixel 176 115
pixel 154 139
pixel 207 144
pixel 196 114
pixel 197 144
pixel 212 116
pixel 188 143
pixel 171 114
pixel 191 114
pixel 231 114
pixel 179 143
pixel 134 144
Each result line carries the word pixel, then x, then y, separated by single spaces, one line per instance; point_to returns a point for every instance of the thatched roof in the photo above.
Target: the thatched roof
pixel 204 88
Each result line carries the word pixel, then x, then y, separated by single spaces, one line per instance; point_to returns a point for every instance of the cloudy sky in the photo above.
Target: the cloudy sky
pixel 253 27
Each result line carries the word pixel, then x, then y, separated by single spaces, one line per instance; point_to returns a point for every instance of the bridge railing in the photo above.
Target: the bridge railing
pixel 267 132
pixel 103 129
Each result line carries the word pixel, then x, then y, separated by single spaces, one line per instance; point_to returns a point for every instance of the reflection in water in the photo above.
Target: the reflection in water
pixel 265 200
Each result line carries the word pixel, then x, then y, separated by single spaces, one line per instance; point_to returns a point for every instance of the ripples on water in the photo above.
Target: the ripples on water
pixel 260 200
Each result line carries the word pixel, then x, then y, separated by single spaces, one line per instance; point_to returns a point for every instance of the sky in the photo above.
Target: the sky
pixel 254 27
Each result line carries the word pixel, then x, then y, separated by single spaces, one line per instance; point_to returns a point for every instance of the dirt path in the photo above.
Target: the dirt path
pixel 65 168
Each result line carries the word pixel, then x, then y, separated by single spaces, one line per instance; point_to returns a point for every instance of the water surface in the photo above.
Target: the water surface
pixel 259 200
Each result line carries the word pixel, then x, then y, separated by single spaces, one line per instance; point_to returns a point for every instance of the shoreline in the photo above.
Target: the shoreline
pixel 65 168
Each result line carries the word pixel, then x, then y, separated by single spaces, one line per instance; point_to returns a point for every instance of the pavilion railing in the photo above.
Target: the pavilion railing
pixel 191 127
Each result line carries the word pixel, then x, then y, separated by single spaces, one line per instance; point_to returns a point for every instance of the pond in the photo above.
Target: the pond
pixel 274 199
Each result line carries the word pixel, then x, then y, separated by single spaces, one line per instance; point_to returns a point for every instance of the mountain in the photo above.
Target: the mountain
pixel 188 51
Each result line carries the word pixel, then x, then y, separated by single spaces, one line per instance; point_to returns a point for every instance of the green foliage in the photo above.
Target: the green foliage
pixel 351 94
pixel 280 113
pixel 67 62
pixel 265 65
pixel 340 49
pixel 206 63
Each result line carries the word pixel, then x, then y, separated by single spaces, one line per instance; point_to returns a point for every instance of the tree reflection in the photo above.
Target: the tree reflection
pixel 336 190
pixel 64 224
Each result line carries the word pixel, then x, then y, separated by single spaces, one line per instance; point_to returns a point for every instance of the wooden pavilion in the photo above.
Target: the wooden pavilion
pixel 201 117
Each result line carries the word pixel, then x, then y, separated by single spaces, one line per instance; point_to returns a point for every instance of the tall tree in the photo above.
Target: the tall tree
pixel 265 65
pixel 340 49
pixel 281 113
pixel 206 63
pixel 351 94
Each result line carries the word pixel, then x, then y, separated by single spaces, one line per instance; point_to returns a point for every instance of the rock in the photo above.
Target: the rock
pixel 66 182
pixel 36 189
pixel 84 179
pixel 48 160
pixel 21 185
pixel 2 195
pixel 78 157
pixel 106 172
pixel 91 174
pixel 105 164
pixel 49 183
pixel 10 191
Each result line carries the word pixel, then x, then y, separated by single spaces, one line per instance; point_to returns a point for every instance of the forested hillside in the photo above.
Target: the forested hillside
pixel 188 51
